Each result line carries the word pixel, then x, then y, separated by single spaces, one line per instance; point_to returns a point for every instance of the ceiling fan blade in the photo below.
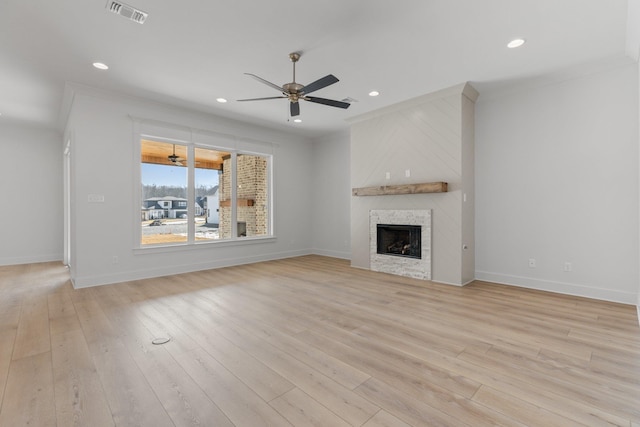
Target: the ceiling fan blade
pixel 268 83
pixel 262 99
pixel 320 83
pixel 330 102
pixel 295 109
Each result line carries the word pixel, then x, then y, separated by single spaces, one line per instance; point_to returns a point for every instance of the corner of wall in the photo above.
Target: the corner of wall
pixel 632 47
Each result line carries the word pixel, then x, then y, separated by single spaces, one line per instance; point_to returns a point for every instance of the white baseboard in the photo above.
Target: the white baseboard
pixel 559 287
pixel 32 259
pixel 332 254
pixel 127 276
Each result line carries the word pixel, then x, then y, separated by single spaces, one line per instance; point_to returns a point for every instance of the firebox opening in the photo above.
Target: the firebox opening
pixel 399 240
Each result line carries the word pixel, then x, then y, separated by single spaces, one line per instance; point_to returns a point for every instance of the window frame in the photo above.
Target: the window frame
pixel 170 135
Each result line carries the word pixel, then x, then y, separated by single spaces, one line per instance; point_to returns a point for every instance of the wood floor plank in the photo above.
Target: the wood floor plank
pixel 239 403
pixel 385 419
pixel 181 397
pixel 623 371
pixel 344 402
pixel 163 326
pixel 568 372
pixel 80 399
pixel 558 397
pixel 253 320
pixel 7 338
pixel 389 358
pixel 33 330
pixel 412 383
pixel 301 410
pixel 131 399
pixel 9 310
pixel 60 303
pixel 520 410
pixel 29 396
pixel 324 363
pixel 260 378
pixel 407 408
pixel 61 325
pixel 265 382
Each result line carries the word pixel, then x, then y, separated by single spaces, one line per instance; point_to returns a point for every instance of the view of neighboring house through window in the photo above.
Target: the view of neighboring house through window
pixel 172 196
pixel 164 193
pixel 208 167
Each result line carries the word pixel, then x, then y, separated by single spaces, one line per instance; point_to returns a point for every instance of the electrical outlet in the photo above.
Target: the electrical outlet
pixel 387 175
pixel 532 263
pixel 407 173
pixel 568 266
pixel 114 259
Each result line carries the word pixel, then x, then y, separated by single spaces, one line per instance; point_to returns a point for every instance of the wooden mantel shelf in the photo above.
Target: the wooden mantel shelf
pixel 385 190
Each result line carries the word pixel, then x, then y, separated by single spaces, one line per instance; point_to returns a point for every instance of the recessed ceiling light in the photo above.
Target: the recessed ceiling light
pixel 297 120
pixel 100 66
pixel 374 93
pixel 515 43
pixel 221 100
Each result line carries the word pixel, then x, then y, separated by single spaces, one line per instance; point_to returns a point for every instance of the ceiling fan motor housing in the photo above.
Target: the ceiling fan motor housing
pixel 293 90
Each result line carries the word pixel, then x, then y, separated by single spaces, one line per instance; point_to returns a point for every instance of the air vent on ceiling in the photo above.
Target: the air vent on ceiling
pixel 127 11
pixel 349 100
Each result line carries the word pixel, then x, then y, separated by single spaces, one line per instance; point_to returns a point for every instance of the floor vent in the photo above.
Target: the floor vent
pixel 127 11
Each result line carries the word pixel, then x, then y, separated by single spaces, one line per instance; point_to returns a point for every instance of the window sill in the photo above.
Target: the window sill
pixel 201 245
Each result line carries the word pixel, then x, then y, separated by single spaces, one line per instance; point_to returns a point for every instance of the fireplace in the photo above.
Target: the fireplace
pixel 399 240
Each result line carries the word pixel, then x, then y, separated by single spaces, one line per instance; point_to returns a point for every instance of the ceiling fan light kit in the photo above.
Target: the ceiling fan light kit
pixel 294 91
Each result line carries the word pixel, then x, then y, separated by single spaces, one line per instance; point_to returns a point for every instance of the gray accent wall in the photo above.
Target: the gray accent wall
pixel 429 138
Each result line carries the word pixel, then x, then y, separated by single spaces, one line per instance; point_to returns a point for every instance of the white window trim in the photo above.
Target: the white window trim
pixel 191 138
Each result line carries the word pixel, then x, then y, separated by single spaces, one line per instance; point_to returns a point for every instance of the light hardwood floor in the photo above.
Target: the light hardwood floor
pixel 309 341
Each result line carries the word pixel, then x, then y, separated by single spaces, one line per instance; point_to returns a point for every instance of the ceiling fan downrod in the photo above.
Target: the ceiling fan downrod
pixel 294 56
pixel 293 90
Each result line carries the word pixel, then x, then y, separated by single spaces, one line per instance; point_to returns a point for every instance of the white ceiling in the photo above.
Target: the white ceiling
pixel 190 52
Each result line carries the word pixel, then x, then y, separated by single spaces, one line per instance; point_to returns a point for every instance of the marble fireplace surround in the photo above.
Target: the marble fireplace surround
pixel 401 266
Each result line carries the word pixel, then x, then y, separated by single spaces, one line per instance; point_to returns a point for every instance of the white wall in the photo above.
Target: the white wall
pixel 557 181
pixel 104 163
pixel 331 198
pixel 31 177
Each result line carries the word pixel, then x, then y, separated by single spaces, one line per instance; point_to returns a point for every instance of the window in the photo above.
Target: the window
pixel 192 194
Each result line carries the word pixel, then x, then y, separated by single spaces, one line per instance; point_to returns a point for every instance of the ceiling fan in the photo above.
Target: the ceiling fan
pixel 295 91
pixel 176 160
